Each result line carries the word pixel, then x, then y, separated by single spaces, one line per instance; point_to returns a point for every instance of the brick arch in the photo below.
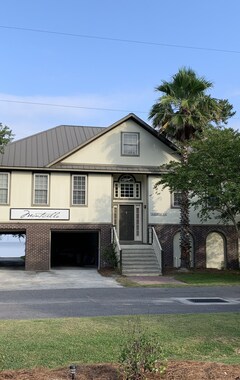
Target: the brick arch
pixel 177 253
pixel 199 232
pixel 216 250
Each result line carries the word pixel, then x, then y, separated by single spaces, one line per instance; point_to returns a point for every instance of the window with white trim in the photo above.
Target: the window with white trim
pixel 41 189
pixel 79 189
pixel 176 199
pixel 127 187
pixel 130 144
pixel 4 188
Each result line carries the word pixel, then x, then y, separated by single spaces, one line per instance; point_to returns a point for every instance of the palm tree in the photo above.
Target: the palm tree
pixel 182 113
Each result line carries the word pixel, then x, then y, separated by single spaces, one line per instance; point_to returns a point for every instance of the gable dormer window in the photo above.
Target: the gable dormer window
pixel 127 187
pixel 130 144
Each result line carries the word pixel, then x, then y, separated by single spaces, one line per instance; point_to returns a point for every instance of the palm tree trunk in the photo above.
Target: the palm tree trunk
pixel 185 231
pixel 185 244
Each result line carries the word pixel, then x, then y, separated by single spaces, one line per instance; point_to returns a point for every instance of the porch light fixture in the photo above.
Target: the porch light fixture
pixel 73 370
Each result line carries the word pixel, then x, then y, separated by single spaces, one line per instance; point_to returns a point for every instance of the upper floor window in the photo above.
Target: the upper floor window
pixel 79 189
pixel 41 189
pixel 4 188
pixel 176 199
pixel 130 144
pixel 127 187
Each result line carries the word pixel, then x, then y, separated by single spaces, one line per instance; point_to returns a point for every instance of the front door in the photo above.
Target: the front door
pixel 126 223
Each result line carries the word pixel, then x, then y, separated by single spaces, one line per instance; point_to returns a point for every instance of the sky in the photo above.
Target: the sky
pixel 91 62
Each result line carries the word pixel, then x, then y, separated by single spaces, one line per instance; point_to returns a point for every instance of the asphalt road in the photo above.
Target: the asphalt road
pixel 60 303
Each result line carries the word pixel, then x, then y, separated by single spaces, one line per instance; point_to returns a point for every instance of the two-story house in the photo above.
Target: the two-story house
pixel 72 190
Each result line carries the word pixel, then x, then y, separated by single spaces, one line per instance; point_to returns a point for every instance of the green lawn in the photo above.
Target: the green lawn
pixel 210 278
pixel 195 278
pixel 59 342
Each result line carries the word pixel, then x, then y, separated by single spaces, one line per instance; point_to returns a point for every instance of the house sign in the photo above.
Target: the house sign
pixel 158 214
pixel 38 214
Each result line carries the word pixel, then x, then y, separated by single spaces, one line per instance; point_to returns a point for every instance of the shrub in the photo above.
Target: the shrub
pixel 109 256
pixel 141 353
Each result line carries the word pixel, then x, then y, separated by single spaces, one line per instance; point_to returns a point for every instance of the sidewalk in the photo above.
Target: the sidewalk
pixel 155 280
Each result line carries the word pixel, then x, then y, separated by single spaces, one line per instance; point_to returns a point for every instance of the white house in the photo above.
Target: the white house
pixel 72 190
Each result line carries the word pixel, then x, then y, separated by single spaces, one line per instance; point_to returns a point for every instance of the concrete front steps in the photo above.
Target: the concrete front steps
pixel 139 260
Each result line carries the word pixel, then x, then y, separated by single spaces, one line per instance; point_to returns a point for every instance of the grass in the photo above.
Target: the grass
pixel 209 278
pixel 59 342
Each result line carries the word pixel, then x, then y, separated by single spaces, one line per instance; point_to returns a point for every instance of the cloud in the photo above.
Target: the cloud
pixel 25 117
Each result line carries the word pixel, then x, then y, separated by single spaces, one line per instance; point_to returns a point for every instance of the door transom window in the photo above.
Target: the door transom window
pixel 127 187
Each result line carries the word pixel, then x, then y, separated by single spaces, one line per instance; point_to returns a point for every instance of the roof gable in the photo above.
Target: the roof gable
pixel 52 147
pixel 106 149
pixel 130 117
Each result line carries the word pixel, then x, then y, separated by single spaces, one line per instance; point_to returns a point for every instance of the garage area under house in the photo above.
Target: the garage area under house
pixel 74 249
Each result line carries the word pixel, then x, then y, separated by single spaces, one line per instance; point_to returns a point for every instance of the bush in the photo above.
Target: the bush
pixel 141 353
pixel 109 256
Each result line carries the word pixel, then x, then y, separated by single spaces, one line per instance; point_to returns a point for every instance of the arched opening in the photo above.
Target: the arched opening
pixel 215 251
pixel 177 251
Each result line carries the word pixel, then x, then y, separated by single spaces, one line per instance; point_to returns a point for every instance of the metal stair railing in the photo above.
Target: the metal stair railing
pixel 156 246
pixel 115 241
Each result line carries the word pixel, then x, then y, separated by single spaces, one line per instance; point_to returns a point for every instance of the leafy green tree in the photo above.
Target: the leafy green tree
pixel 182 113
pixel 5 136
pixel 211 176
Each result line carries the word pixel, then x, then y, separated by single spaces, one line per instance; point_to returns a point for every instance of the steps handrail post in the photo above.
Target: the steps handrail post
pixel 157 247
pixel 115 240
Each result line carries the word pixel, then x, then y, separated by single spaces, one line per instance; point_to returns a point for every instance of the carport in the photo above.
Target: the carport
pixel 74 248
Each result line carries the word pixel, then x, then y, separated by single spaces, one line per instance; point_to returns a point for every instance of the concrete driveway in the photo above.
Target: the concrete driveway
pixel 61 278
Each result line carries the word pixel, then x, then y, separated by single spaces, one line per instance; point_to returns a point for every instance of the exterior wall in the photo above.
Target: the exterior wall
pixel 107 149
pixel 95 216
pixel 199 233
pixel 38 240
pixel 166 222
pixel 99 197
pixel 20 190
pixel 160 210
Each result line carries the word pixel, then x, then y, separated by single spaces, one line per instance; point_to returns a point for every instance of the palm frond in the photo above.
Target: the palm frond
pixel 185 109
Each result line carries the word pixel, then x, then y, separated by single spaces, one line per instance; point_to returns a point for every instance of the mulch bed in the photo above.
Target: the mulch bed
pixel 184 370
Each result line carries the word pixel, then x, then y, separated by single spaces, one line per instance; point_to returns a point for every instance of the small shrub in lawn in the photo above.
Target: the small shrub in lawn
pixel 141 353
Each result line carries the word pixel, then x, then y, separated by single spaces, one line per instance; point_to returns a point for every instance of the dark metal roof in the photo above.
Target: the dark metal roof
pixel 39 150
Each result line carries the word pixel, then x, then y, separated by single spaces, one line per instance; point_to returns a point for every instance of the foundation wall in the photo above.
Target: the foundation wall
pixel 199 233
pixel 38 240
